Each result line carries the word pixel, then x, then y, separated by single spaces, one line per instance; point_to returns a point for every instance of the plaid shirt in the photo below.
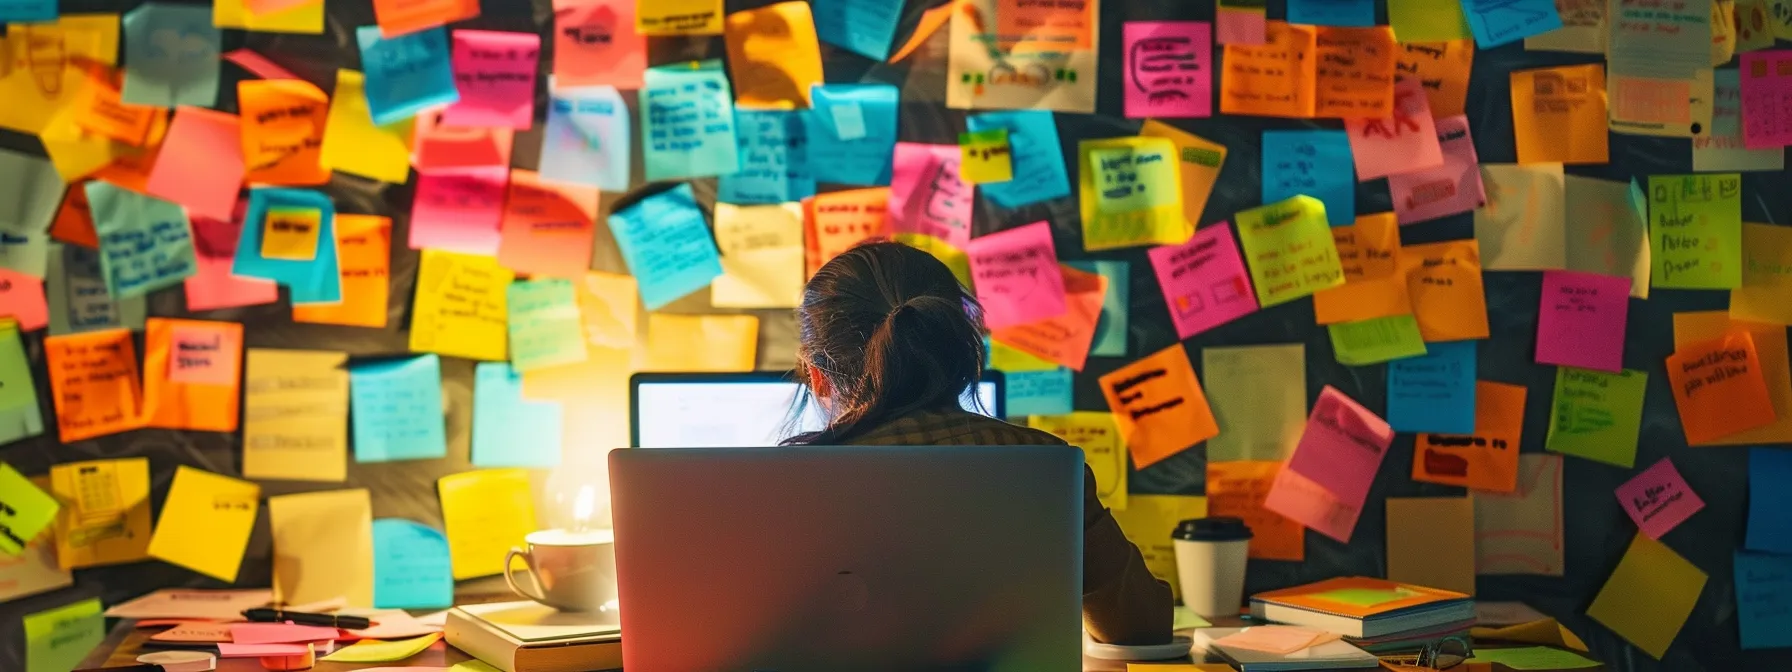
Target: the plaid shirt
pixel 1122 602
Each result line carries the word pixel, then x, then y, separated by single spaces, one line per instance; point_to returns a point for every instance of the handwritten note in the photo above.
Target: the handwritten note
pixel 410 566
pixel 495 74
pixel 545 328
pixel 1328 477
pixel 90 37
pixel 927 194
pixel 401 17
pixel 1559 114
pixel 1597 415
pixel 1766 90
pixel 105 517
pixel 78 298
pixel 1064 339
pixel 28 511
pixel 679 17
pixel 1497 22
pixel 1274 77
pixel 1521 227
pixel 667 246
pixel 1238 489
pixel 509 430
pixel 283 122
pixel 863 27
pixel 1168 69
pixel 310 266
pixel 587 137
pixel 1041 393
pixel 1311 163
pixel 1262 415
pixel 1659 499
pixel 1129 192
pixel 58 639
pixel 1442 68
pixel 1035 157
pixel 595 44
pixel 459 209
pixel 1724 148
pixel 1016 276
pixel 364 244
pixel 854 127
pixel 1583 29
pixel 836 221
pixel 191 374
pixel 1649 595
pixel 1434 392
pixel 460 308
pixel 1368 251
pixel 547 227
pixel 762 256
pixel 94 380
pixel 687 121
pixel 145 243
pixel 406 74
pixel 1581 320
pixel 1007 55
pixel 205 523
pixel 1204 281
pixel 984 157
pixel 354 144
pixel 774 159
pixel 1695 231
pixel 485 512
pixel 397 409
pixel 1376 340
pixel 1159 406
pixel 1719 388
pixel 1521 532
pixel 295 403
pixel 1695 327
pixel 323 546
pixel 1289 249
pixel 1355 73
pixel 171 56
pixel 1408 141
pixel 1104 452
pixel 1766 275
pixel 1201 160
pixel 1762 592
pixel 1453 187
pixel 1448 298
pixel 1485 459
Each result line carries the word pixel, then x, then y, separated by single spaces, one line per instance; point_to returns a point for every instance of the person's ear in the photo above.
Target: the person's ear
pixel 818 384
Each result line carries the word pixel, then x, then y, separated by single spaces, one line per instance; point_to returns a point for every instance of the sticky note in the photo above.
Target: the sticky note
pixel 1434 392
pixel 1010 360
pixel 28 511
pixel 353 143
pixel 1289 249
pixel 1265 407
pixel 1111 328
pixel 22 299
pixel 984 157
pixel 1769 503
pixel 1355 73
pixel 1761 595
pixel 398 17
pixel 410 566
pixel 30 190
pixel 170 56
pixel 1035 155
pixel 1038 392
pixel 1484 459
pixel 928 196
pixel 1691 328
pixel 94 380
pixel 1719 388
pixel 863 27
pixel 363 246
pixel 73 222
pixel 105 518
pixel 1521 532
pixel 545 329
pixel 1658 499
pixel 1374 287
pixel 587 137
pixel 295 406
pixel 1723 148
pixel 1597 415
pixel 774 159
pixel 508 430
pixel 1332 12
pixel 1238 489
pixel 460 308
pixel 1406 142
pixel 1204 281
pixel 495 74
pixel 836 221
pixel 853 126
pixel 1103 450
pixel 1427 21
pixel 91 37
pixel 1159 405
pixel 257 64
pixel 1376 340
pixel 314 278
pixel 1201 160
pixel 1147 522
pixel 1340 450
pixel 397 409
pixel 1273 77
pixel 687 121
pixel 254 634
pixel 205 523
pixel 1581 320
pixel 323 546
pixel 1648 597
pixel 58 639
pixel 1016 276
pixel 145 243
pixel 283 122
pixel 762 256
pixel 1129 193
pixel 102 112
pixel 1695 231
pixel 547 227
pixel 774 55
pixel 1240 21
pixel 192 374
pixel 406 73
pixel 382 651
pixel 20 416
pixel 1521 227
pixel 679 17
pixel 29 11
pixel 1495 23
pixel 26 254
pixel 595 44
pixel 306 17
pixel 1039 39
pixel 1431 542
pixel 1558 114
pixel 609 307
pixel 1766 291
pixel 1766 89
pixel 1064 339
pixel 486 512
pixel 206 170
pixel 459 209
pixel 1444 281
pixel 1442 68
pixel 1167 68
pixel 702 343
pixel 666 245
pixel 1532 658
pixel 1311 163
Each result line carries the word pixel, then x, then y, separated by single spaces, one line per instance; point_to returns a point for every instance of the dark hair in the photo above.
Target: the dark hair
pixel 892 331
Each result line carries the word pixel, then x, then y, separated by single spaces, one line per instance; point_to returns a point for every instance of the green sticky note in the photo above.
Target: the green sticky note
pixel 24 510
pixel 1184 618
pixel 1533 658
pixel 1362 597
pixel 1289 247
pixel 1132 179
pixel 20 416
pixel 1597 415
pixel 1427 21
pixel 56 640
pixel 1382 339
pixel 376 651
pixel 1695 231
pixel 545 329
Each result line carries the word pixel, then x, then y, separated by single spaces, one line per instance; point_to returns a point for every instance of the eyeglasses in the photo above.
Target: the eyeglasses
pixel 1444 654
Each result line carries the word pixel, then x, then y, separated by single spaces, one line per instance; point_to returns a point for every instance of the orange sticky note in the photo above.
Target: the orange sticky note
pixel 836 221
pixel 1444 281
pixel 94 379
pixel 547 226
pixel 1237 489
pixel 131 166
pixel 1718 387
pixel 1443 68
pixel 1273 79
pixel 1374 284
pixel 1201 160
pixel 1354 76
pixel 397 17
pixel 773 55
pixel 930 23
pixel 595 43
pixel 102 111
pixel 1486 460
pixel 1064 339
pixel 363 243
pixel 283 124
pixel 1776 367
pixel 1558 114
pixel 1158 403
pixel 74 220
pixel 434 145
pixel 193 370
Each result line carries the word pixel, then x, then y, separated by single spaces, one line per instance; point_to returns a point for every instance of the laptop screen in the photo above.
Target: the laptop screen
pixel 714 411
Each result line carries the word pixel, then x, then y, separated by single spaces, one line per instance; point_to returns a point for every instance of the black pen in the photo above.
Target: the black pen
pixel 305 618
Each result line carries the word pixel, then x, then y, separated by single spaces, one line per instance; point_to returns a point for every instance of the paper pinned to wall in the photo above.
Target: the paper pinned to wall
pixel 1064 339
pixel 314 273
pixel 1495 23
pixel 1111 330
pixel 1355 73
pixel 984 157
pixel 459 209
pixel 1005 55
pixel 1428 21
pixel 295 410
pixel 28 511
pixel 863 27
pixel 1649 596
pixel 928 196
pixel 1339 452
pixel 1608 235
pixel 1597 415
pixel 1376 340
pixel 31 191
pixel 1238 489
pixel 323 546
pixel 461 308
pixel 1769 503
pixel 1766 291
pixel 1201 161
pixel 836 221
pixel 105 518
pixel 1581 320
pixel 1240 21
pixel 1583 29
pixel 145 242
pixel 587 137
pixel 595 44
pixel 1761 600
pixel 1311 163
pixel 1406 142
pixel 486 512
pixel 1289 248
pixel 667 245
pixel 1486 459
pixel 435 146
pixel 1159 404
pixel 1129 192
pixel 410 565
pixel 205 523
pixel 687 121
pixel 363 245
pixel 509 430
pixel 1719 388
pixel 406 74
pixel 1273 77
pixel 205 171
pixel 1442 68
pixel 545 327
pixel 495 72
pixel 1016 276
pixel 1265 405
pixel 1724 148
pixel 1031 393
pixel 1204 281
pixel 679 17
pixel 774 159
pixel 1521 227
pixel 93 377
pixel 1431 542
pixel 397 409
pixel 283 122
pixel 1659 499
pixel 32 573
pixel 1521 532
pixel 1770 349
pixel 1374 287
pixel 401 17
pixel 762 256
pixel 721 343
pixel 306 17
pixel 22 299
pixel 1167 69
pixel 1434 392
pixel 1766 88
pixel 1559 115
pixel 1098 436
pixel 192 374
pixel 1695 231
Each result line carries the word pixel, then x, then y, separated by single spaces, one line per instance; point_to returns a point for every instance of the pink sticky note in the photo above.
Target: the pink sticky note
pixel 1402 143
pixel 230 650
pixel 1301 500
pixel 258 65
pixel 1241 26
pixel 261 7
pixel 1449 189
pixel 1342 446
pixel 280 633
pixel 1659 499
pixel 204 356
pixel 495 72
pixel 1168 69
pixel 1277 639
pixel 595 43
pixel 1017 277
pixel 22 298
pixel 1767 99
pixel 1204 280
pixel 1580 321
pixel 435 144
pixel 212 287
pixel 201 163
pixel 926 194
pixel 459 209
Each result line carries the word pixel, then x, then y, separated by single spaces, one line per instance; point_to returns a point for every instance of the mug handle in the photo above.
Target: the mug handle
pixel 528 566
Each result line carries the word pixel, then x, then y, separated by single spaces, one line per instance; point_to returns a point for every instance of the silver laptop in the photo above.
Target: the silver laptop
pixel 849 558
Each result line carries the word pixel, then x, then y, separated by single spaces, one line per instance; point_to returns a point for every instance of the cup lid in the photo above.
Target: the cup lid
pixel 1215 528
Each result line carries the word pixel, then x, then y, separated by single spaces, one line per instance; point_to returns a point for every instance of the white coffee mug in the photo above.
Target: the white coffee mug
pixel 570 570
pixel 1211 556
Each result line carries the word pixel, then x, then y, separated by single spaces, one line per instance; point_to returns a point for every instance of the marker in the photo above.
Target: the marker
pixel 304 618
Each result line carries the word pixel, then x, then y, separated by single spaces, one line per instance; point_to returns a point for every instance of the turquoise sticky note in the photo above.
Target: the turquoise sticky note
pixel 170 56
pixel 1110 332
pixel 587 137
pixel 410 566
pixel 20 415
pixel 1036 152
pixel 852 133
pixel 78 298
pixel 863 27
pixel 1311 163
pixel 1769 501
pixel 406 74
pixel 1347 13
pixel 1038 392
pixel 687 122
pixel 27 11
pixel 1497 22
pixel 1434 392
pixel 396 408
pixel 667 246
pixel 774 159
pixel 314 280
pixel 508 430
pixel 57 639
pixel 545 329
pixel 1764 599
pixel 145 242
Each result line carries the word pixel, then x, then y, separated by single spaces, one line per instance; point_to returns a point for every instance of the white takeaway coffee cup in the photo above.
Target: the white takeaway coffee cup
pixel 1211 554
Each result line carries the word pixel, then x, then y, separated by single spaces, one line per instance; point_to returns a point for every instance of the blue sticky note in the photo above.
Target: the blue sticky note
pixel 1110 332
pixel 27 11
pixel 397 409
pixel 1351 13
pixel 1764 599
pixel 774 159
pixel 146 243
pixel 1038 392
pixel 852 133
pixel 687 122
pixel 170 56
pixel 1311 163
pixel 587 138
pixel 1434 392
pixel 508 430
pixel 406 74
pixel 1769 501
pixel 863 27
pixel 410 566
pixel 315 280
pixel 667 246
pixel 1497 22
pixel 1035 152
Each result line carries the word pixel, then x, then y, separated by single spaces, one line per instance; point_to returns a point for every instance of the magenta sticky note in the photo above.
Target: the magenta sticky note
pixel 1659 499
pixel 1452 188
pixel 1017 276
pixel 1580 321
pixel 1301 500
pixel 1767 99
pixel 459 209
pixel 1168 69
pixel 1204 280
pixel 1402 143
pixel 280 633
pixel 926 194
pixel 22 299
pixel 212 287
pixel 1241 26
pixel 495 72
pixel 201 163
pixel 1342 446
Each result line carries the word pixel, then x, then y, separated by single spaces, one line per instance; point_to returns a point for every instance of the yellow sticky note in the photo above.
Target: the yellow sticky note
pixel 762 256
pixel 1766 291
pixel 1263 410
pixel 1289 248
pixel 1131 194
pixel 43 72
pixel 295 415
pixel 461 308
pixel 486 512
pixel 354 144
pixel 1201 161
pixel 57 639
pixel 952 257
pixel 105 518
pixel 307 18
pixel 610 307
pixel 985 157
pixel 377 651
pixel 1103 449
pixel 291 233
pixel 701 342
pixel 206 522
pixel 1776 367
pixel 774 56
pixel 25 511
pixel 363 255
pixel 1148 521
pixel 678 17
pixel 323 546
pixel 1004 358
pixel 1649 595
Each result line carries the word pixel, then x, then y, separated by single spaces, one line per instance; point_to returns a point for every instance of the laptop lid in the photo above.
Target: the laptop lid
pixel 728 410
